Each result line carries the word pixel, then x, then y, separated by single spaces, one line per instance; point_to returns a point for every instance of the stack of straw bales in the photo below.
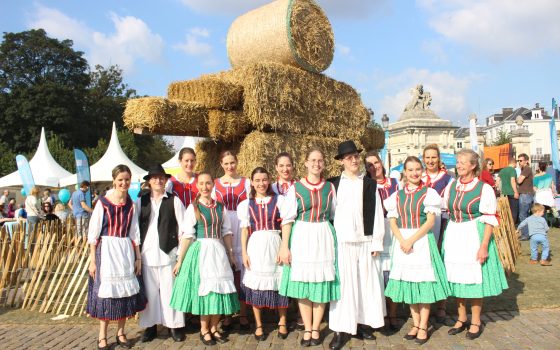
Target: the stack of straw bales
pixel 274 99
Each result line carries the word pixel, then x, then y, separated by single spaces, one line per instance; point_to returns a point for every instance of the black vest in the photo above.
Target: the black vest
pixel 368 200
pixel 168 227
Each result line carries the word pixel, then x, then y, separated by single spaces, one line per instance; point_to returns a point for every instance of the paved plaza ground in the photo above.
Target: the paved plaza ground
pixel 526 316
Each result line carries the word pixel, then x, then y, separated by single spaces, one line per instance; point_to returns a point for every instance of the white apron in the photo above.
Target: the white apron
pixel 265 273
pixel 215 272
pixel 461 245
pixel 313 252
pixel 416 266
pixel 385 256
pixel 116 270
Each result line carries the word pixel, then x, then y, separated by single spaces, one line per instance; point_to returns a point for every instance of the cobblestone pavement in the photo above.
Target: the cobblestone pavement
pixel 526 316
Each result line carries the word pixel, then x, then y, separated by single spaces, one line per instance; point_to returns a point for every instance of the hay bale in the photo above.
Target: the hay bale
pixel 158 115
pixel 227 125
pixel 373 138
pixel 210 93
pixel 208 155
pixel 283 98
pixel 259 149
pixel 294 32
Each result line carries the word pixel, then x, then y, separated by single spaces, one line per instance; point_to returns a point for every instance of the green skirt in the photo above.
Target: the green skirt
pixel 421 292
pixel 185 296
pixel 494 280
pixel 317 292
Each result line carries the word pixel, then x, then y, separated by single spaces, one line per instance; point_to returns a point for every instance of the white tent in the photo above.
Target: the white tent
pixel 46 171
pixel 189 141
pixel 101 171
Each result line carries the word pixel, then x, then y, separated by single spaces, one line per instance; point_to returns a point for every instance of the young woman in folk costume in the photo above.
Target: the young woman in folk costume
pixel 386 187
pixel 204 284
pixel 436 177
pixel 263 218
pixel 308 253
pixel 417 273
pixel 183 185
pixel 115 260
pixel 471 258
pixel 230 190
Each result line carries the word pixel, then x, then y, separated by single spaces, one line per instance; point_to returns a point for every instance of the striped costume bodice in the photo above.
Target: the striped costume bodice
pixel 186 192
pixel 117 218
pixel 438 184
pixel 314 205
pixel 211 219
pixel 264 216
pixel 464 205
pixel 282 189
pixel 387 188
pixel 230 196
pixel 410 207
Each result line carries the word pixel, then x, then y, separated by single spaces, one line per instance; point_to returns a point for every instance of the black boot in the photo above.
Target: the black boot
pixel 364 332
pixel 338 341
pixel 149 334
pixel 177 334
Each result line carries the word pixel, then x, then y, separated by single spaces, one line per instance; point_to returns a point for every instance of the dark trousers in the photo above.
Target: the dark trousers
pixel 514 206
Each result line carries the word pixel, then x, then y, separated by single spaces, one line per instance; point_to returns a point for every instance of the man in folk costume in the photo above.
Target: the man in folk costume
pixel 360 228
pixel 161 223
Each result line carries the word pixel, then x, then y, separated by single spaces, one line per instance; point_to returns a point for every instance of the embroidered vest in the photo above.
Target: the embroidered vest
pixel 185 192
pixel 464 206
pixel 368 202
pixel 264 216
pixel 167 225
pixel 117 218
pixel 230 196
pixel 410 207
pixel 211 219
pixel 314 205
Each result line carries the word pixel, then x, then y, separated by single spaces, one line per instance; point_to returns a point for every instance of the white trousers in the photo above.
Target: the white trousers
pixel 362 297
pixel 158 283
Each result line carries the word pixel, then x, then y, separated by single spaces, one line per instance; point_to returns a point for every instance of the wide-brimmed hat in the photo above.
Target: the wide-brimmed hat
pixel 346 147
pixel 156 170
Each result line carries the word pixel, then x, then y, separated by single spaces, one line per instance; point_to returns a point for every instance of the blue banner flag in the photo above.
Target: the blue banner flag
pixel 82 171
pixel 554 138
pixel 25 174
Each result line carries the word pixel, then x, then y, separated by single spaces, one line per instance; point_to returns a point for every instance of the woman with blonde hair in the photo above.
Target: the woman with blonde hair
pixel 33 209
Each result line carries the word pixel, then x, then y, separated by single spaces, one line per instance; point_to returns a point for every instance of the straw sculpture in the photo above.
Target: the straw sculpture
pixel 292 32
pixel 158 115
pixel 210 93
pixel 373 138
pixel 227 125
pixel 208 155
pixel 259 149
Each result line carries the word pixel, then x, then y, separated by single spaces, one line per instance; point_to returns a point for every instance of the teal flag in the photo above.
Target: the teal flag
pixel 554 138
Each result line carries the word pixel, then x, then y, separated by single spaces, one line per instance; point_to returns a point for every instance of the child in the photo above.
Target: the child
pixel 537 234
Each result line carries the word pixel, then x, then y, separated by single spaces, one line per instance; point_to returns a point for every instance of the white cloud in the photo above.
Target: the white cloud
pixel 131 40
pixel 343 50
pixel 498 28
pixel 448 93
pixel 192 45
pixel 349 9
pixel 436 50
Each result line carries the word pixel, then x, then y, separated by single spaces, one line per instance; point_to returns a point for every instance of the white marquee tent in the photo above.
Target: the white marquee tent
pixel 46 171
pixel 101 171
pixel 172 165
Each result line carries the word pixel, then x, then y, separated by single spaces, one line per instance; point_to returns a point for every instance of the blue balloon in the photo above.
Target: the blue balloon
pixel 23 193
pixel 64 195
pixel 134 190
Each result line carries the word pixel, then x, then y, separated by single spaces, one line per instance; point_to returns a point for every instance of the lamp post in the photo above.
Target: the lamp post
pixel 386 154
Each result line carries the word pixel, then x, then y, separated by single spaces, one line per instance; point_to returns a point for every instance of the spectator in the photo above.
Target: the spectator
pixel 544 187
pixel 508 187
pixel 48 197
pixel 48 211
pixel 20 212
pixel 61 211
pixel 538 229
pixel 526 193
pixel 11 210
pixel 486 175
pixel 32 208
pixel 80 209
pixel 4 197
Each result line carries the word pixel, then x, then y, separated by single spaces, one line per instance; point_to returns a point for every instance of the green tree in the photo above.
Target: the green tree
pixel 62 154
pixel 7 160
pixel 502 138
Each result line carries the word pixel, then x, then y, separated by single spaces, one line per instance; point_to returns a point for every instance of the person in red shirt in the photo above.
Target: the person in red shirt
pixel 486 175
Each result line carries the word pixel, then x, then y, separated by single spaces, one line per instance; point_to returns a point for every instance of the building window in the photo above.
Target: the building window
pixel 526 127
pixel 459 144
pixel 539 150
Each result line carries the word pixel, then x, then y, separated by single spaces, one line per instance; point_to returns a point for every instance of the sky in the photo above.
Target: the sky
pixel 473 56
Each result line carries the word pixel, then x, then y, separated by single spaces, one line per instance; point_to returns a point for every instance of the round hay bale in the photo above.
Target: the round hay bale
pixel 158 115
pixel 211 93
pixel 227 125
pixel 294 32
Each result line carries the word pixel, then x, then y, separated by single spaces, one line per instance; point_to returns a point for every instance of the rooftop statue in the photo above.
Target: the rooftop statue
pixel 420 100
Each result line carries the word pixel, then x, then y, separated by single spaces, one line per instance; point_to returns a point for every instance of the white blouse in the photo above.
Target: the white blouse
pixel 487 204
pixel 96 223
pixel 191 222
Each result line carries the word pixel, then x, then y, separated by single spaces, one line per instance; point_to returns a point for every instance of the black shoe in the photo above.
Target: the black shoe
pixel 305 342
pixel 211 341
pixel 411 336
pixel 177 334
pixel 280 334
pixel 422 341
pixel 473 336
pixel 338 341
pixel 440 318
pixel 244 326
pixel 393 324
pixel 318 341
pixel 453 330
pixel 260 337
pixel 364 334
pixel 149 334
pixel 220 338
pixel 123 344
pixel 99 347
pixel 227 327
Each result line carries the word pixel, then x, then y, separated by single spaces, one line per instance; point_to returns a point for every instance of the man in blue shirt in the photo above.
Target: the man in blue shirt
pixel 80 209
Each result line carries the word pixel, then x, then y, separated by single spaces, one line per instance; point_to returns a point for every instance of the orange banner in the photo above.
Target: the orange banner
pixel 499 154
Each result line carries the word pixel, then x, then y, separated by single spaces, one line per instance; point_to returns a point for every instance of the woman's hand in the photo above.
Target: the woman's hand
pixel 92 269
pixel 232 262
pixel 138 267
pixel 482 254
pixel 406 246
pixel 285 256
pixel 246 262
pixel 176 268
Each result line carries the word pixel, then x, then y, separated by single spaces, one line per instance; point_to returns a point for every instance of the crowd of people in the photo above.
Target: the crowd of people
pixel 194 248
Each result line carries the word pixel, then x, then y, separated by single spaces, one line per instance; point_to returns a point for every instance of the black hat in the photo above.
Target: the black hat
pixel 346 147
pixel 155 170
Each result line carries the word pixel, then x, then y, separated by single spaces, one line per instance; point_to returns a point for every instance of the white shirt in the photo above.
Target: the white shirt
pixel 152 255
pixel 349 220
